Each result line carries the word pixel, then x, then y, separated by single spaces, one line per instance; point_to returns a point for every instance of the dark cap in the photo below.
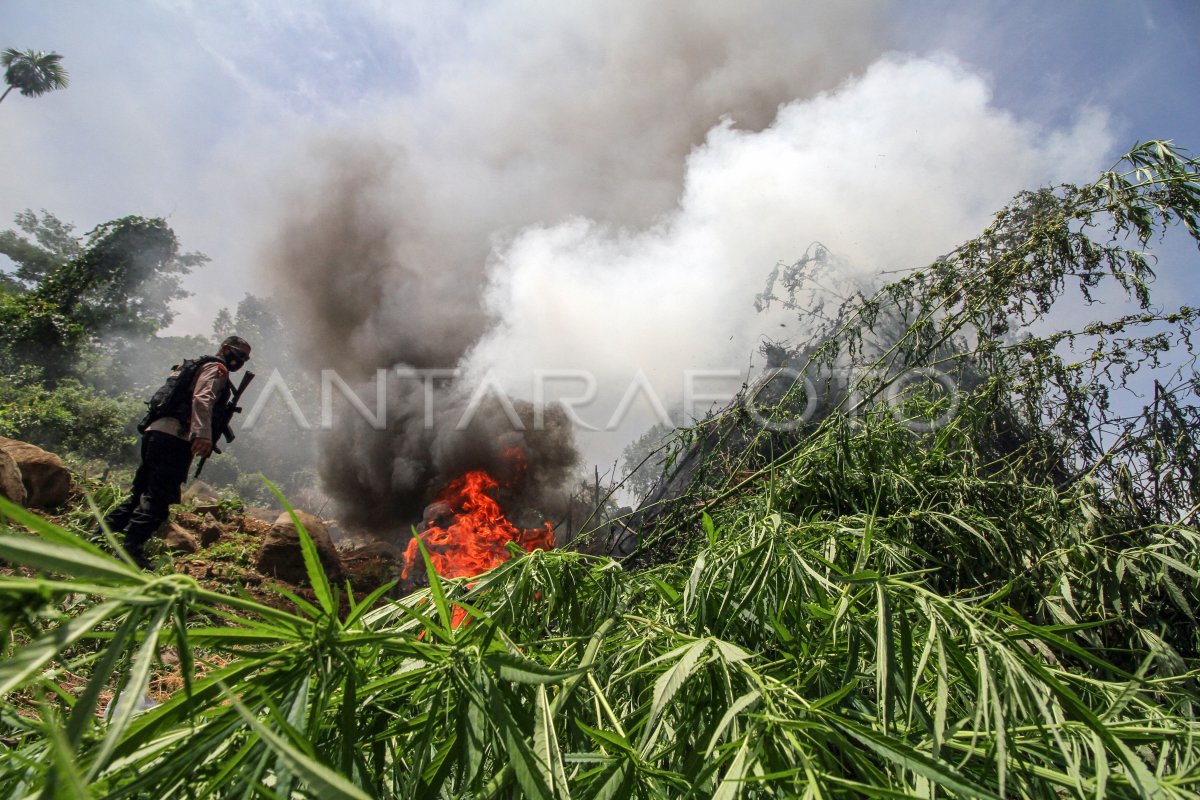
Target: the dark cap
pixel 237 343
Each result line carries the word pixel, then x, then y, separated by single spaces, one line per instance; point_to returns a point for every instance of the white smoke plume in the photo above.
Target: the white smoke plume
pixel 532 113
pixel 888 171
pixel 604 188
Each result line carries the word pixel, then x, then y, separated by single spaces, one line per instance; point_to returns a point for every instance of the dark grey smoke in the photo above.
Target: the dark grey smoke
pixel 364 277
pixel 530 114
pixel 384 480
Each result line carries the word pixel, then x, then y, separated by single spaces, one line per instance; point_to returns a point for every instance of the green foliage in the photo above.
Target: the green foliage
pixel 139 366
pixel 785 654
pixel 1057 405
pixel 273 445
pixel 104 491
pixel 32 73
pixel 37 332
pixel 644 459
pixel 259 322
pixel 125 279
pixel 237 549
pixel 118 282
pixel 70 417
pixel 230 505
pixel 43 244
pixel 78 315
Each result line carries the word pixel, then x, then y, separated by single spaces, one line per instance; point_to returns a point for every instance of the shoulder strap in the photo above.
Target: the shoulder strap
pixel 174 397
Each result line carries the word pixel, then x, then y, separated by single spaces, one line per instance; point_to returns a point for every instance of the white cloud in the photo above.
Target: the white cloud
pixel 889 171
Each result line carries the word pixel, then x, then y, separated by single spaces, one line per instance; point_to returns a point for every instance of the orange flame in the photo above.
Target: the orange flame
pixel 475 541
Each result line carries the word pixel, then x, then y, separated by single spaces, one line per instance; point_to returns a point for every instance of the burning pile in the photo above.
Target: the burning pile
pixel 466 532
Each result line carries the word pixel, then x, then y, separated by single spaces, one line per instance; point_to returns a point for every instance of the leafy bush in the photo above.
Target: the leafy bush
pixel 69 417
pixel 118 280
pixel 785 654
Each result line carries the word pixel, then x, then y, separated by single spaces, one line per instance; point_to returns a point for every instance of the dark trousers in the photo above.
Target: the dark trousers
pixel 156 485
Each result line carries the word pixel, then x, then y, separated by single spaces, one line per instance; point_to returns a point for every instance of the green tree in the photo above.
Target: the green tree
pixel 117 283
pixel 42 245
pixel 258 321
pixel 32 74
pixel 274 445
pixel 125 280
pixel 644 459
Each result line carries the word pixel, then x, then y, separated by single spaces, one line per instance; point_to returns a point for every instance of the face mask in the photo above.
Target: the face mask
pixel 236 361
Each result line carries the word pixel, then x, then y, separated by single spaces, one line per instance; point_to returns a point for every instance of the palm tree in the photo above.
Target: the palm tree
pixel 33 74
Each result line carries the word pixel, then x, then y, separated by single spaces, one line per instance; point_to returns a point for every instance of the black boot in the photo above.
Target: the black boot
pixel 137 552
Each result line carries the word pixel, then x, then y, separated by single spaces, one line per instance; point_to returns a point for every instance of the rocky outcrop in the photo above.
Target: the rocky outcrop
pixel 177 539
pixel 11 487
pixel 210 531
pixel 280 554
pixel 199 492
pixel 371 565
pixel 260 513
pixel 45 477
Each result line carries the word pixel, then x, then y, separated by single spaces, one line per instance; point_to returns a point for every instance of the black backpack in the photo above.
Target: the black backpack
pixel 174 397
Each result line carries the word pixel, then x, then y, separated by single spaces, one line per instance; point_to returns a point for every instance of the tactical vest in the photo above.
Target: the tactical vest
pixel 174 398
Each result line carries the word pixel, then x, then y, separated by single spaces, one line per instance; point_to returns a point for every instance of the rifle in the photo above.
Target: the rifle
pixel 222 414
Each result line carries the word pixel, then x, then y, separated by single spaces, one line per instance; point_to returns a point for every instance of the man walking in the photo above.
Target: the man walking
pixel 179 425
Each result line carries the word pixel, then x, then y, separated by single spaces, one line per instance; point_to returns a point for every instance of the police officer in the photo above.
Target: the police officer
pixel 171 438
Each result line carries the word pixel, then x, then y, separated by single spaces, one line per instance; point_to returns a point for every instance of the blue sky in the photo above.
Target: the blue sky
pixel 1139 59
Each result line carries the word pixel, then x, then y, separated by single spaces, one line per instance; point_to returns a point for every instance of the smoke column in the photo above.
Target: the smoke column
pixel 889 171
pixel 604 188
